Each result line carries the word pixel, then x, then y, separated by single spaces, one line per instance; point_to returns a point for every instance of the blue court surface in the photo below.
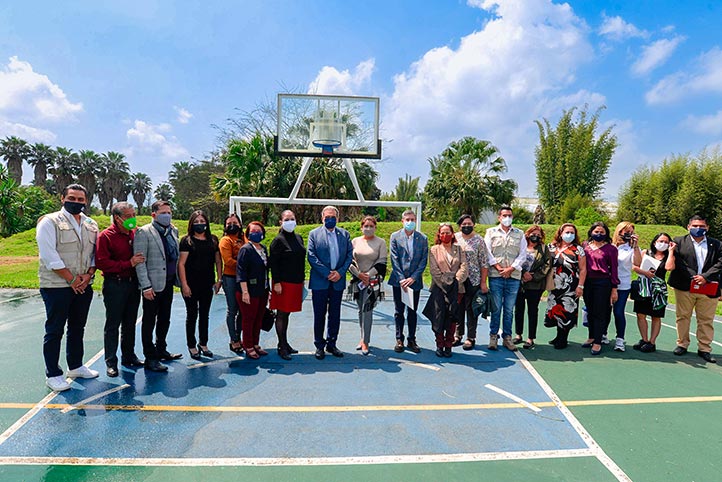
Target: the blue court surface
pixel 383 408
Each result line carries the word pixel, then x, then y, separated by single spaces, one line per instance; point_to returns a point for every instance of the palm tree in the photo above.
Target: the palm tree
pixel 164 192
pixel 407 189
pixel 116 172
pixel 64 168
pixel 142 187
pixel 41 157
pixel 89 169
pixel 15 151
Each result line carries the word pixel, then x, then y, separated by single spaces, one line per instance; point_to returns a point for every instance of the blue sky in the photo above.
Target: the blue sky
pixel 150 78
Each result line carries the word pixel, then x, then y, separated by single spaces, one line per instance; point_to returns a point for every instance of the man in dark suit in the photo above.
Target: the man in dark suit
pixel 697 261
pixel 409 256
pixel 330 254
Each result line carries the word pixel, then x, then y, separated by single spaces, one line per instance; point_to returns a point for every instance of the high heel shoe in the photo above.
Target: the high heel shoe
pixel 196 355
pixel 290 349
pixel 251 353
pixel 238 350
pixel 283 352
pixel 205 351
pixel 260 350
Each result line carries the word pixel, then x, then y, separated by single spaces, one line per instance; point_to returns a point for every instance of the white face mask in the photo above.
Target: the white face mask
pixel 568 237
pixel 661 246
pixel 507 220
pixel 289 225
pixel 368 231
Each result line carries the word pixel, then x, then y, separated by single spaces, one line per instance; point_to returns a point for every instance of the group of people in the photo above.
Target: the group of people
pixel 505 271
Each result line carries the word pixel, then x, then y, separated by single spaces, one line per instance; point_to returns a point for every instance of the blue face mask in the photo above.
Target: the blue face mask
pixel 163 219
pixel 255 236
pixel 697 232
pixel 410 225
pixel 330 222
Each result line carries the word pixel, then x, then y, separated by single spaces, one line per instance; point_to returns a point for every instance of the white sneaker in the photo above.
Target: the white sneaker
pixel 605 340
pixel 57 384
pixel 82 372
pixel 619 344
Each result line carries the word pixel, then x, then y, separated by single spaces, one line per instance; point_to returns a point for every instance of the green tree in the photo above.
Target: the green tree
pixel 142 187
pixel 466 178
pixel 41 157
pixel 571 159
pixel 89 170
pixel 15 151
pixel 407 189
pixel 114 176
pixel 63 171
pixel 21 206
pixel 163 192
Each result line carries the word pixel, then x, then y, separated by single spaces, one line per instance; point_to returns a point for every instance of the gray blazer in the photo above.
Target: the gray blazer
pixel 152 272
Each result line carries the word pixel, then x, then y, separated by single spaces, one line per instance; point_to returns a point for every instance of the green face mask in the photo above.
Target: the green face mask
pixel 130 223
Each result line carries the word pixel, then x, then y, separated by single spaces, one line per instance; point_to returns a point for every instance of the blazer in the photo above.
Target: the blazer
pixel 152 273
pixel 404 266
pixel 251 269
pixel 319 257
pixel 685 263
pixel 443 273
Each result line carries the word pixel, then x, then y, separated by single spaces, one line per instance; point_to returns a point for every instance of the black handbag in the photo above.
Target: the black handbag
pixel 634 290
pixel 269 318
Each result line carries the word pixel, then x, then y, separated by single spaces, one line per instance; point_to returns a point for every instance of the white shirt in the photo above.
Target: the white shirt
pixel 700 250
pixel 520 258
pixel 45 236
pixel 332 247
pixel 625 254
pixel 410 243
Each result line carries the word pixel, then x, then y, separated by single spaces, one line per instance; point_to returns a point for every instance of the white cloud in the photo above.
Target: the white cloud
pixel 183 115
pixel 154 141
pixel 28 133
pixel 333 82
pixel 656 54
pixel 518 68
pixel 709 124
pixel 28 95
pixel 703 77
pixel 616 29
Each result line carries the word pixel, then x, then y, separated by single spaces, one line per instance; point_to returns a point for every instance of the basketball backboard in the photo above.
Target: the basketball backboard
pixel 328 125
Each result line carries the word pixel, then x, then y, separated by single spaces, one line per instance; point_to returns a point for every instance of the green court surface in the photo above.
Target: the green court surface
pixel 632 416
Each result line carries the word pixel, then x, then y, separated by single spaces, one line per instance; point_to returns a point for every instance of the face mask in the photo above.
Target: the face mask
pixel 130 223
pixel 163 219
pixel 255 236
pixel 506 221
pixel 599 237
pixel 697 232
pixel 568 237
pixel 661 246
pixel 627 236
pixel 410 225
pixel 467 229
pixel 446 238
pixel 73 207
pixel 199 228
pixel 289 225
pixel 534 238
pixel 369 231
pixel 233 229
pixel 330 222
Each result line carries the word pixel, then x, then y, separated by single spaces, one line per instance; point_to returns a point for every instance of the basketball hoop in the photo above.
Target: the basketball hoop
pixel 327 145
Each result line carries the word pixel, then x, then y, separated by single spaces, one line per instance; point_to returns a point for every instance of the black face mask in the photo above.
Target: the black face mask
pixel 627 236
pixel 199 228
pixel 467 229
pixel 233 229
pixel 534 238
pixel 73 207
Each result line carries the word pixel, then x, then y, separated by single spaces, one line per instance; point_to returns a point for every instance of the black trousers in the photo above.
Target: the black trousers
pixel 63 305
pixel 597 298
pixel 531 299
pixel 156 317
pixel 471 321
pixel 198 306
pixel 121 299
pixel 399 309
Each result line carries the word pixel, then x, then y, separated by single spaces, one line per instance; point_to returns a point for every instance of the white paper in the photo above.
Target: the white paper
pixel 650 263
pixel 408 297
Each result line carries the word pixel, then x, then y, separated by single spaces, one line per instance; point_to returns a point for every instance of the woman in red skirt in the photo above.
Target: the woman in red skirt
pixel 288 264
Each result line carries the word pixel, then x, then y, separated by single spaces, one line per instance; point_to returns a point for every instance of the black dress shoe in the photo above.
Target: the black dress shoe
pixel 440 352
pixel 447 352
pixel 679 351
pixel 206 352
pixel 196 355
pixel 399 346
pixel 413 346
pixel 290 349
pixel 706 356
pixel 112 372
pixel 134 362
pixel 165 355
pixel 283 352
pixel 334 351
pixel 320 355
pixel 155 366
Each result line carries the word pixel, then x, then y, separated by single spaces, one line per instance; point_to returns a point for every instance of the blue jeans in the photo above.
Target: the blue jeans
pixel 233 316
pixel 620 321
pixel 503 291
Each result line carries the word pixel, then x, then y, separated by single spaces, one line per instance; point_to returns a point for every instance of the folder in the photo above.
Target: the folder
pixel 709 288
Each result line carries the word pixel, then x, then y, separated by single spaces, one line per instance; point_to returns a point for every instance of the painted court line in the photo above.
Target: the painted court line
pixel 93 398
pixel 512 397
pixel 215 362
pixel 18 298
pixel 268 461
pixel 597 451
pixel 714 342
pixel 415 364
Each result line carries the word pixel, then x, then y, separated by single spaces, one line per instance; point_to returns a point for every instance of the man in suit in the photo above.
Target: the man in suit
pixel 409 254
pixel 158 242
pixel 330 254
pixel 697 260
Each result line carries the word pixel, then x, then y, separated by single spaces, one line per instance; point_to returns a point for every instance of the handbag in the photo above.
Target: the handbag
pixel 269 318
pixel 634 290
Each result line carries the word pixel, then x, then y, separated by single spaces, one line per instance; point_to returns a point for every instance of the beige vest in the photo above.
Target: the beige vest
pixel 75 253
pixel 505 248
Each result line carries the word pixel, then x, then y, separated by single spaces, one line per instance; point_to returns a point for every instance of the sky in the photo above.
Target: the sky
pixel 152 78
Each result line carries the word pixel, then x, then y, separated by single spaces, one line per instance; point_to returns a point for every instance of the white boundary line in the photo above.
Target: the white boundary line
pixel 714 342
pixel 272 461
pixel 215 362
pixel 594 447
pixel 511 396
pixel 415 364
pixel 93 398
pixel 17 298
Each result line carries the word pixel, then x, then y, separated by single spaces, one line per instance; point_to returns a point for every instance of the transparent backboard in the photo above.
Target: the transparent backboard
pixel 327 125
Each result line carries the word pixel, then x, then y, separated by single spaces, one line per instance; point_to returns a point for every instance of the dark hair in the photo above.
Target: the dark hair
pixel 369 218
pixel 532 228
pixel 505 208
pixel 595 226
pixel 255 223
pixel 463 218
pixel 653 248
pixel 157 205
pixel 558 236
pixel 195 215
pixel 75 187
pixel 697 217
pixel 437 239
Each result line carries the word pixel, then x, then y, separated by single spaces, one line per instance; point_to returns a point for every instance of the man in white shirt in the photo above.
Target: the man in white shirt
pixel 66 247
